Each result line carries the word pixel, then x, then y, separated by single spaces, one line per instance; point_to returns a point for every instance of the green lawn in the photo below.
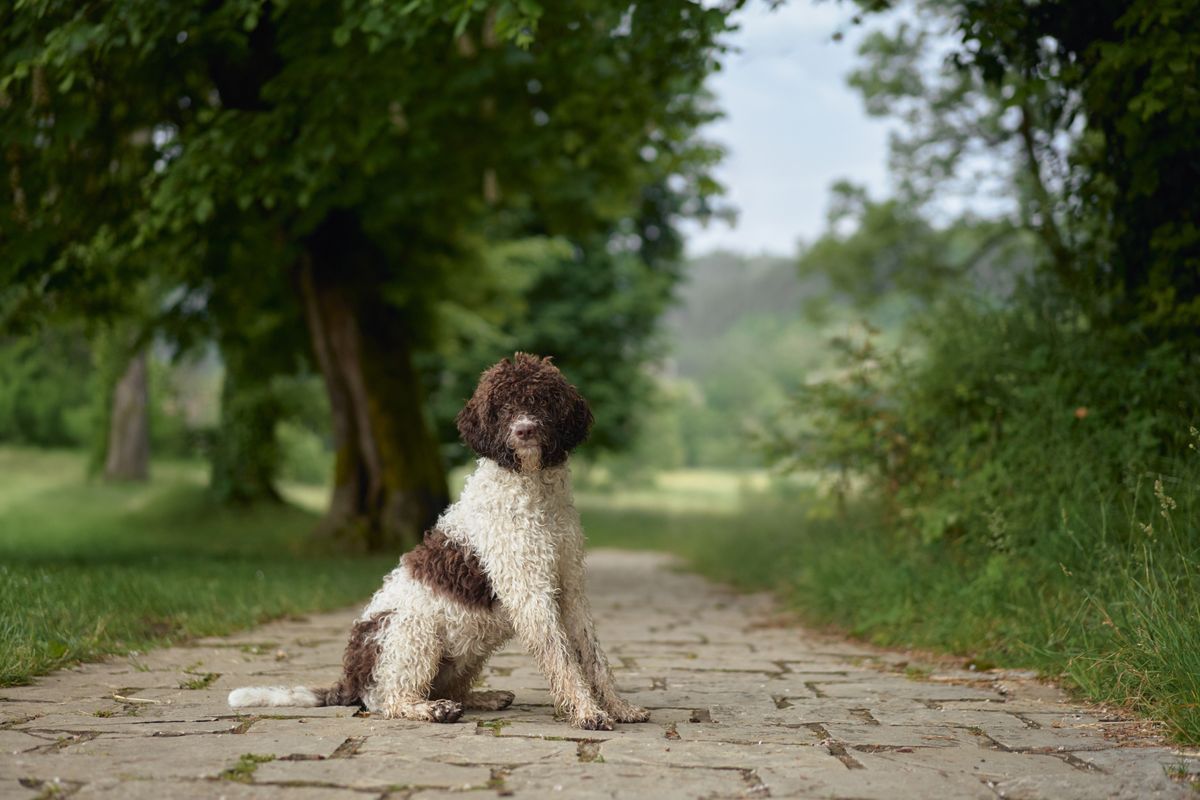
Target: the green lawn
pixel 88 569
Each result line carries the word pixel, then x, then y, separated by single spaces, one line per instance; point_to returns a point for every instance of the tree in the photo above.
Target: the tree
pixel 364 153
pixel 121 443
pixel 877 250
pixel 258 325
pixel 127 457
pixel 1097 103
pixel 967 132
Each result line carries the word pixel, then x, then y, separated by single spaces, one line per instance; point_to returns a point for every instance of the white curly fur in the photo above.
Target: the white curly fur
pixel 526 532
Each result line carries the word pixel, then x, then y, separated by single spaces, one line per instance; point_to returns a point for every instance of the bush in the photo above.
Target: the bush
pixel 305 457
pixel 304 434
pixel 46 389
pixel 995 419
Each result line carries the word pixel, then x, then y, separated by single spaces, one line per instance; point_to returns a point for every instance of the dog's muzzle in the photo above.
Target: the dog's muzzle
pixel 524 432
pixel 524 439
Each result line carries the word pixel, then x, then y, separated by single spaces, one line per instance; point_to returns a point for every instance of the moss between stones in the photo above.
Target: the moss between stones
pixel 243 770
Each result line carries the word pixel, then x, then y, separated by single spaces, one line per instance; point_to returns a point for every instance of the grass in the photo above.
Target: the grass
pixel 712 490
pixel 89 569
pixel 1117 617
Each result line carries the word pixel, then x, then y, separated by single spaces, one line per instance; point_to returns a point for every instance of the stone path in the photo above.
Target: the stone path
pixel 742 707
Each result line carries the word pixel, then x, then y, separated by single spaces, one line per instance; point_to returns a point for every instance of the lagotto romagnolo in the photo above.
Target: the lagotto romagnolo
pixel 506 559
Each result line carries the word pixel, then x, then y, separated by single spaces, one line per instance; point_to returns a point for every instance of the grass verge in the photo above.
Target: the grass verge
pixel 88 569
pixel 1115 615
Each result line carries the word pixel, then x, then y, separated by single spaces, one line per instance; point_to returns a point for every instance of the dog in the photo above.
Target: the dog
pixel 506 559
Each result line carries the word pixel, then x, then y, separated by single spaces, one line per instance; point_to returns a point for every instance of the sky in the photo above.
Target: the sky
pixel 792 127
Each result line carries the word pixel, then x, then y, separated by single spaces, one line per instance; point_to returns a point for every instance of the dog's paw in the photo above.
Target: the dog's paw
pixel 597 721
pixel 445 711
pixel 630 713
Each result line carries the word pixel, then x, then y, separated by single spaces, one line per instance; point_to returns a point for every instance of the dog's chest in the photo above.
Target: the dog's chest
pixel 536 516
pixel 504 524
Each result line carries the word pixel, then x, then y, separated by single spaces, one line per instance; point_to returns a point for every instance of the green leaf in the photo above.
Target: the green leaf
pixel 204 209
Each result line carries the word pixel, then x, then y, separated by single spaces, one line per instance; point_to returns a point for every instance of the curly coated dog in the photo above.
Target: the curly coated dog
pixel 506 559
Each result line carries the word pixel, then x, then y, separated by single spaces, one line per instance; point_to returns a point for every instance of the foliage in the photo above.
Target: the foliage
pixel 1095 104
pixel 594 311
pixel 957 440
pixel 303 431
pixel 225 153
pixel 304 457
pixel 737 347
pixel 1033 485
pixel 45 382
pixel 972 131
pixel 54 392
pixel 136 566
pixel 246 454
pixel 272 116
pixel 875 251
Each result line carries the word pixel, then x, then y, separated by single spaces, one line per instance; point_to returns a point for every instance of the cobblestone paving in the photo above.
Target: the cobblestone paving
pixel 742 707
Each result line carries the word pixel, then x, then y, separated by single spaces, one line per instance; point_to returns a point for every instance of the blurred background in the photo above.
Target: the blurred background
pixel 890 307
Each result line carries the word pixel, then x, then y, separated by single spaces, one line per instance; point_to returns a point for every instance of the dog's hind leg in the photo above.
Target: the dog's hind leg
pixel 410 654
pixel 456 678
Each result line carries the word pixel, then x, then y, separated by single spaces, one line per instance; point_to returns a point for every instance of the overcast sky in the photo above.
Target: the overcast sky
pixel 792 127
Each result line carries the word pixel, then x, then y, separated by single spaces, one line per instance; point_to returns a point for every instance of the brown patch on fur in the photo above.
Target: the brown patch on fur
pixel 358 662
pixel 525 385
pixel 451 569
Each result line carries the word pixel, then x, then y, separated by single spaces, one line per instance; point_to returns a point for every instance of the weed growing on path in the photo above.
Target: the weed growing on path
pixel 243 771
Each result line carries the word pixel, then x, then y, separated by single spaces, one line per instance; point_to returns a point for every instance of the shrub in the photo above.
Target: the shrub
pixel 994 419
pixel 45 389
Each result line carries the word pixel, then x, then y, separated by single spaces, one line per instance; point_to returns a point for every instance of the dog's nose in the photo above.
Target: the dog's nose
pixel 524 429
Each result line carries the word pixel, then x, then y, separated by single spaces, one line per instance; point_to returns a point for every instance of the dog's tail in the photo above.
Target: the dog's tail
pixel 295 696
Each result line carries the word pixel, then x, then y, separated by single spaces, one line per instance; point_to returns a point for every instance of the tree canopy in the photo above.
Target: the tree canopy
pixel 1094 107
pixel 345 171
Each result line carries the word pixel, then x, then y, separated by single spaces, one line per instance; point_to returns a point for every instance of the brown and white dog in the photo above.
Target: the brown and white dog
pixel 506 559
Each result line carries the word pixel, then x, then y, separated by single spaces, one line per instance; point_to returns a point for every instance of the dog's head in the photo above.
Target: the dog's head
pixel 524 415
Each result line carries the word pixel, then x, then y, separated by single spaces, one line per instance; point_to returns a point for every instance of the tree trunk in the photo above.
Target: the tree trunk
pixel 245 455
pixel 127 457
pixel 389 481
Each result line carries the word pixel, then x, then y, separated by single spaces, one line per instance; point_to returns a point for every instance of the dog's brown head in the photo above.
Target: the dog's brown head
pixel 524 415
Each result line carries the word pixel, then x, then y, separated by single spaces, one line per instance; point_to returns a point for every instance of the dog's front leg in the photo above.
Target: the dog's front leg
pixel 581 631
pixel 529 596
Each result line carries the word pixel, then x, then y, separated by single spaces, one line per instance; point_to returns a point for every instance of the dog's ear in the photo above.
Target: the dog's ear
pixel 578 423
pixel 472 427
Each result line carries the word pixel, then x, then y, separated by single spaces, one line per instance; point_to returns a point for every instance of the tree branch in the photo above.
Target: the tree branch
pixel 1062 259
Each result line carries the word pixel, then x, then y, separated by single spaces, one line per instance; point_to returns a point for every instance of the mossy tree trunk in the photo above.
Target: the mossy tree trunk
pixel 389 481
pixel 127 454
pixel 245 454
